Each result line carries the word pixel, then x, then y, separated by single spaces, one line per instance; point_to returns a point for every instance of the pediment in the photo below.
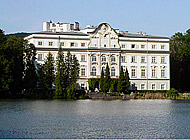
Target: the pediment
pixel 104 29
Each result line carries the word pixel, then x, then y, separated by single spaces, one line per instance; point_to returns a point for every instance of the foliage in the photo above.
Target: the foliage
pixel 30 75
pixel 107 80
pixel 101 82
pixel 49 72
pixel 93 83
pixel 123 82
pixel 172 93
pixel 113 86
pixel 12 66
pixel 71 92
pixel 114 94
pixel 60 75
pixel 180 61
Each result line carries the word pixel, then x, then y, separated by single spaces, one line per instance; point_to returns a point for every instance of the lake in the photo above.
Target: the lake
pixel 132 119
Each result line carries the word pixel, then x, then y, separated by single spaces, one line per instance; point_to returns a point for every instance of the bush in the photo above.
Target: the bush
pixel 114 94
pixel 172 93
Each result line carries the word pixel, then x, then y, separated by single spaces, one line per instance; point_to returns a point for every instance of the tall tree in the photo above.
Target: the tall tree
pixel 30 75
pixel 49 72
pixel 75 68
pixel 180 60
pixel 14 48
pixel 121 81
pixel 5 78
pixel 107 79
pixel 127 83
pixel 101 83
pixel 60 73
pixel 68 67
pixel 42 89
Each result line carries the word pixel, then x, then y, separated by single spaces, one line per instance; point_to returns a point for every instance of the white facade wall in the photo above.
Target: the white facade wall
pixel 104 41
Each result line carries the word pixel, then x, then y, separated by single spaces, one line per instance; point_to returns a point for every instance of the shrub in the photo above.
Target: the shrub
pixel 172 93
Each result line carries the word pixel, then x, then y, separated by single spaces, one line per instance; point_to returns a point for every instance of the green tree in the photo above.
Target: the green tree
pixel 30 75
pixel 101 83
pixel 49 72
pixel 107 79
pixel 13 58
pixel 180 61
pixel 42 89
pixel 121 81
pixel 5 77
pixel 60 73
pixel 75 68
pixel 126 79
pixel 68 67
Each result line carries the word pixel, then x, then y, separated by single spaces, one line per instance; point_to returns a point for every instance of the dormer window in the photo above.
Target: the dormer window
pixel 72 44
pixel 40 43
pixel 133 46
pixel 50 43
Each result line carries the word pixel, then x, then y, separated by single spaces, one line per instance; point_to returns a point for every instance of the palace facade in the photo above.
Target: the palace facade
pixel 146 57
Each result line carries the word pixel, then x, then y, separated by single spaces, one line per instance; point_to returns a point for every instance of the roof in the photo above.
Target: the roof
pixel 62 33
pixel 142 36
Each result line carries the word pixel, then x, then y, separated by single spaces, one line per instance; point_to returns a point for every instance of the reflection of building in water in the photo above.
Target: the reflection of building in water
pixel 146 57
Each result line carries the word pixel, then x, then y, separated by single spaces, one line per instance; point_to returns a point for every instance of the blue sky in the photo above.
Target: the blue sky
pixel 155 17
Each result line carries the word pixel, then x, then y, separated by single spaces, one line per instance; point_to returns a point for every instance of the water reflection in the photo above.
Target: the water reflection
pixel 94 119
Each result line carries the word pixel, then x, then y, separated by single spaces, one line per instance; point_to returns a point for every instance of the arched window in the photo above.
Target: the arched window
pixel 112 71
pixel 112 58
pixel 103 58
pixel 104 69
pixel 93 58
pixel 93 71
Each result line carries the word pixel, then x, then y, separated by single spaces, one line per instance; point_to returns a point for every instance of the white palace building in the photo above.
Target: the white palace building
pixel 146 57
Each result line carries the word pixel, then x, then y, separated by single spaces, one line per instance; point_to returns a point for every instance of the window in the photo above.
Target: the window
pixel 40 43
pixel 162 73
pixel 142 46
pixel 39 57
pixel 112 71
pixel 122 58
pixel 143 59
pixel 112 58
pixel 61 43
pixel 82 58
pixel 162 46
pixel 82 86
pixel 82 44
pixel 72 44
pixel 82 71
pixel 123 46
pixel 153 86
pixel 162 86
pixel 104 69
pixel 133 59
pixel 153 46
pixel 114 45
pixel 133 73
pixel 153 59
pixel 142 86
pixel 142 72
pixel 153 73
pixel 93 71
pixel 133 46
pixel 162 59
pixel 50 43
pixel 93 58
pixel 103 58
pixel 104 45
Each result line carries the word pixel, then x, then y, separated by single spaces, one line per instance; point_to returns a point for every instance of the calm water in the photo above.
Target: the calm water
pixel 94 119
